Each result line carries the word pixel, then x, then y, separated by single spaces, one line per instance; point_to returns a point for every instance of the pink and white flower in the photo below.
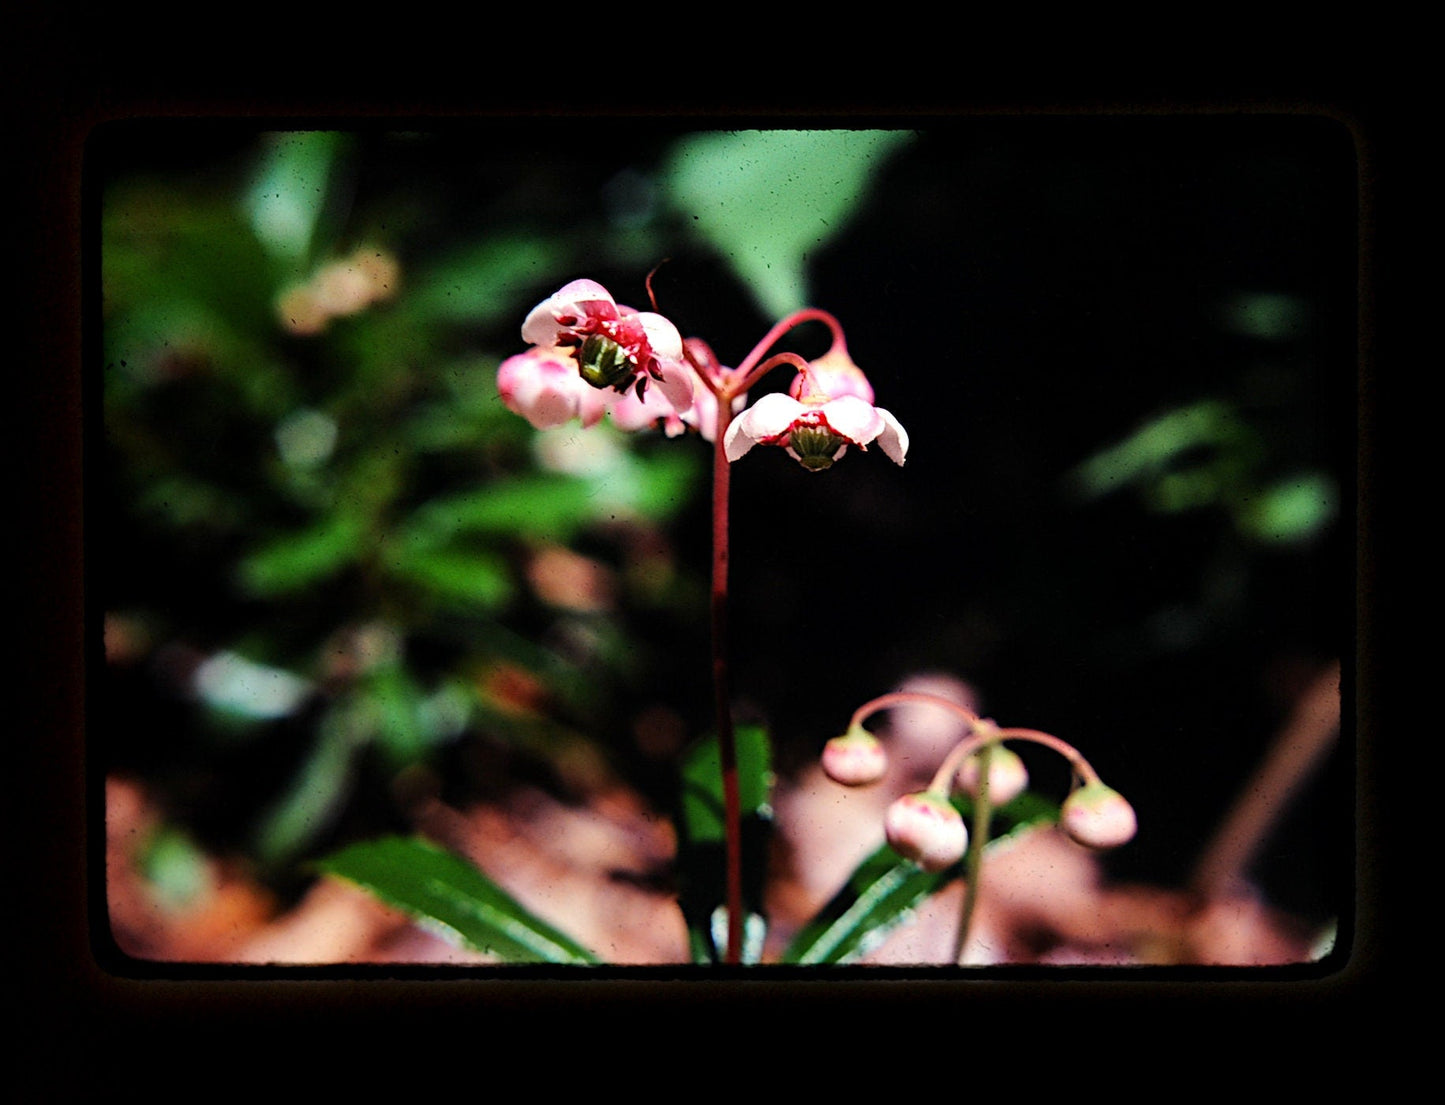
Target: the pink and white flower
pixel 542 385
pixel 828 408
pixel 612 346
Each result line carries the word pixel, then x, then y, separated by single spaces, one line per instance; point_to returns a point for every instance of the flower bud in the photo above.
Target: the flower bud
pixel 1007 776
pixel 925 828
pixel 855 759
pixel 1097 816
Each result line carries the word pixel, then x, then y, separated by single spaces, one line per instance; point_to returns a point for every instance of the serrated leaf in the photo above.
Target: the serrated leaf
pixel 451 897
pixel 884 889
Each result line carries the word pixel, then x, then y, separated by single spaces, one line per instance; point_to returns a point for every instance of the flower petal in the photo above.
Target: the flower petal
pixel 662 335
pixel 772 416
pixel 676 384
pixel 853 419
pixel 737 440
pixel 574 301
pixel 894 438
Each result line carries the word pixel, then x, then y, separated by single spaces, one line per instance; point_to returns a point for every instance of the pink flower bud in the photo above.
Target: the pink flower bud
pixel 1097 816
pixel 1007 776
pixel 855 759
pixel 925 828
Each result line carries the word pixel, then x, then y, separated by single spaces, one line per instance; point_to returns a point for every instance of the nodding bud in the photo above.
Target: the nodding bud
pixel 1097 816
pixel 1007 776
pixel 855 759
pixel 925 828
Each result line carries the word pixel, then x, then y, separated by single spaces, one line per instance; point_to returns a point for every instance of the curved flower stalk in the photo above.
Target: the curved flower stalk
pixel 926 828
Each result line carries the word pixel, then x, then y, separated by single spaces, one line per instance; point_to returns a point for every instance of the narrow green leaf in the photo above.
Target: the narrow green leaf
pixel 316 793
pixel 552 507
pixel 702 858
pixel 301 559
pixel 448 895
pixel 459 577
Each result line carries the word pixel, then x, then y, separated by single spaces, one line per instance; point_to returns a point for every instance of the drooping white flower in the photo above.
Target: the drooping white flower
pixel 815 434
pixel 829 407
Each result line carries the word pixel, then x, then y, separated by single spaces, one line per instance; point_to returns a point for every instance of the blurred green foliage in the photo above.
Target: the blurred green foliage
pixel 313 478
pixel 312 488
pixel 770 200
pixel 1207 454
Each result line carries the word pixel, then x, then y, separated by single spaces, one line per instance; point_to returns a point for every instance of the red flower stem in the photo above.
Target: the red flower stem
pixel 727 745
pixel 807 314
pixel 767 366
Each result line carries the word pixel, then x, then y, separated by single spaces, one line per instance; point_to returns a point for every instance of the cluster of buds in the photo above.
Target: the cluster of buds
pixel 338 288
pixel 591 357
pixel 927 828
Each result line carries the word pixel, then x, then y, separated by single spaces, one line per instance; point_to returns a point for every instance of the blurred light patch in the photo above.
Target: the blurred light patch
pixel 306 438
pixel 445 713
pixel 570 581
pixel 1268 315
pixel 229 682
pixel 573 451
pixel 176 870
pixel 289 190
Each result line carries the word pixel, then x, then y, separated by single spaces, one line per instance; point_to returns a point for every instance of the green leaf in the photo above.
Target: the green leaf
pixel 469 579
pixel 551 507
pixel 301 559
pixel 316 794
pixel 702 793
pixel 702 857
pixel 452 898
pixel 883 891
pixel 289 191
pixel 768 200
pixel 478 285
pixel 1152 449
pixel 1290 510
